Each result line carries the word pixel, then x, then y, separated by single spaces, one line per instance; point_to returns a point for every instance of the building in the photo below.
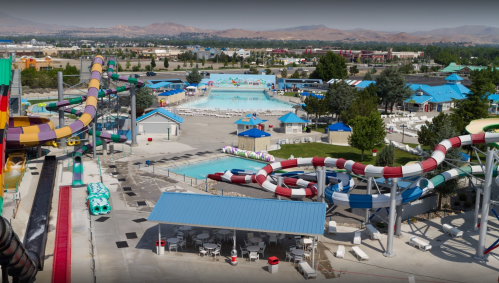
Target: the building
pixel 439 98
pixel 159 121
pixel 292 124
pixel 38 64
pixel 249 122
pixel 254 140
pixel 339 133
pixel 298 83
pixel 210 53
pixel 462 69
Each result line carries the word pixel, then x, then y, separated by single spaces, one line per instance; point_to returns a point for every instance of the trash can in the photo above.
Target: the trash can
pixel 326 130
pixel 148 163
pixel 273 264
pixel 160 250
pixel 297 95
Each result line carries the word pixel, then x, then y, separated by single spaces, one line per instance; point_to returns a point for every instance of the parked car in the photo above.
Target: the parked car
pixel 136 76
pixel 300 69
pixel 290 68
pixel 281 69
pixel 306 70
pixel 150 74
pixel 246 72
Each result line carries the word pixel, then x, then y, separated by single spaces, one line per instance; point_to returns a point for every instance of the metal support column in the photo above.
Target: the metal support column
pixel 368 192
pixel 398 222
pixel 489 166
pixel 159 238
pixel 104 148
pixel 321 183
pixel 391 221
pixel 94 139
pixel 280 182
pixel 477 207
pixel 60 97
pixel 313 252
pixel 39 151
pixel 133 125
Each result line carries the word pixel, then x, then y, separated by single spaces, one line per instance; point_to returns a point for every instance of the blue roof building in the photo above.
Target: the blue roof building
pixel 339 133
pixel 248 122
pixel 159 121
pixel 253 139
pixel 292 124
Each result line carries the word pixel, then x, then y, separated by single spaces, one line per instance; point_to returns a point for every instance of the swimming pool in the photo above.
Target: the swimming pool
pixel 39 109
pixel 202 169
pixel 239 99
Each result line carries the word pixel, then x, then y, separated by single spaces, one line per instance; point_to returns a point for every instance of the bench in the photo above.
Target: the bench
pixel 373 232
pixel 420 244
pixel 359 254
pixel 452 231
pixel 306 270
pixel 332 227
pixel 357 240
pixel 340 252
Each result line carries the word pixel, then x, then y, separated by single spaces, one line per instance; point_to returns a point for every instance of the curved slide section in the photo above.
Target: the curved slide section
pixel 78 165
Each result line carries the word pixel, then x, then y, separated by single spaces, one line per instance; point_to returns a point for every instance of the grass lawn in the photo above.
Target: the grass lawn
pixel 320 128
pixel 290 93
pixel 336 151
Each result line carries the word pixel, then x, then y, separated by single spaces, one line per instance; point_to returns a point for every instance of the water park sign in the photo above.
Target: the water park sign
pixel 224 80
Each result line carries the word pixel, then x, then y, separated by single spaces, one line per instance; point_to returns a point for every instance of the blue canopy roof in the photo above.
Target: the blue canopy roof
pixel 249 214
pixel 305 93
pixel 339 127
pixel 163 112
pixel 158 85
pixel 254 133
pixel 454 77
pixel 292 118
pixel 250 120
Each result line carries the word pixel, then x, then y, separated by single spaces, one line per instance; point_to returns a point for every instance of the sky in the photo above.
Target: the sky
pixel 379 15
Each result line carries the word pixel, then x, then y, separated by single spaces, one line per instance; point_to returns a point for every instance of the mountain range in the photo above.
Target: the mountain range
pixel 475 34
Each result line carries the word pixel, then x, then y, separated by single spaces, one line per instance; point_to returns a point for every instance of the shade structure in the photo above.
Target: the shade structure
pixel 339 133
pixel 254 140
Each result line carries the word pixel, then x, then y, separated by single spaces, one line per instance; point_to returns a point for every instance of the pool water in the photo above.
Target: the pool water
pixel 39 109
pixel 202 169
pixel 244 99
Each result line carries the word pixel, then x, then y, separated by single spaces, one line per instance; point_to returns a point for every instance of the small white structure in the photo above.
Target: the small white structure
pixel 420 244
pixel 339 133
pixel 160 121
pixel 359 254
pixel 340 252
pixel 357 240
pixel 306 270
pixel 372 232
pixel 452 231
pixel 292 124
pixel 332 227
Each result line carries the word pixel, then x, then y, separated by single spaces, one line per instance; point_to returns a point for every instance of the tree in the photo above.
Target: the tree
pixel 148 68
pixel 354 70
pixel 330 66
pixel 120 68
pixel 392 87
pixel 203 60
pixel 295 75
pixel 432 134
pixel 338 98
pixel 268 71
pixel 304 75
pixel 315 106
pixel 284 73
pixel 144 98
pixel 194 77
pixel 475 105
pixel 374 71
pixel 367 77
pixel 386 157
pixel 364 103
pixel 153 63
pixel 367 133
pixel 191 63
pixel 166 64
pixel 424 69
pixel 127 66
pixel 139 65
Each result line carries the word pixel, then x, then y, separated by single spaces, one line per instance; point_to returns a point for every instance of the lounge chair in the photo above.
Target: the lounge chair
pixel 420 244
pixel 372 232
pixel 340 252
pixel 306 270
pixel 332 227
pixel 359 254
pixel 357 240
pixel 452 231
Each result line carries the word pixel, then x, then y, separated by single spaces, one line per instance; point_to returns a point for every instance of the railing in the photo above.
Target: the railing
pixel 92 252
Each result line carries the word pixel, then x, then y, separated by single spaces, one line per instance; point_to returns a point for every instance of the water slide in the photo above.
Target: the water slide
pixel 23 132
pixel 304 181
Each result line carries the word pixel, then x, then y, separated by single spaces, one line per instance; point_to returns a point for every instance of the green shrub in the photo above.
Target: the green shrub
pixel 446 205
pixel 380 225
pixel 457 203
